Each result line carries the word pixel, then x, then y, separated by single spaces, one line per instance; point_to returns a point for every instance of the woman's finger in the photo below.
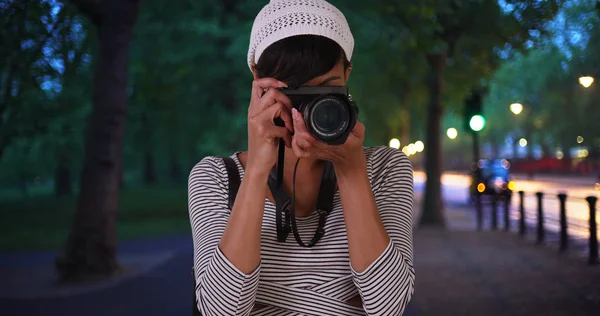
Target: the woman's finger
pixel 262 84
pixel 300 127
pixel 303 142
pixel 299 151
pixel 278 132
pixel 278 110
pixel 271 97
pixel 359 129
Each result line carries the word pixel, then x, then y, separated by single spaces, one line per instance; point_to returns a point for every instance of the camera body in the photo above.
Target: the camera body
pixel 329 112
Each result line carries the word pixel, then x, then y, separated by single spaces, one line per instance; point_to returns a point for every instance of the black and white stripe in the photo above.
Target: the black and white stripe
pixel 292 280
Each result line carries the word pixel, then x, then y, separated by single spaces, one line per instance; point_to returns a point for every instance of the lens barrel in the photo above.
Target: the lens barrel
pixel 328 112
pixel 328 117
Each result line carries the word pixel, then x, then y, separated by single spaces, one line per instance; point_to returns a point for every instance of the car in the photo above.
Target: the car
pixel 491 177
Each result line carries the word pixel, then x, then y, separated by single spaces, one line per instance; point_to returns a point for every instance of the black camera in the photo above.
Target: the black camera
pixel 329 112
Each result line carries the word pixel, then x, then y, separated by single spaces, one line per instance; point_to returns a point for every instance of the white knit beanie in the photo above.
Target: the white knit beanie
pixel 285 18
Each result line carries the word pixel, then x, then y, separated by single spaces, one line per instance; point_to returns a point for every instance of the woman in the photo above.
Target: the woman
pixel 363 264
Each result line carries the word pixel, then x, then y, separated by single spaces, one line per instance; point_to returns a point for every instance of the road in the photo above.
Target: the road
pixel 455 190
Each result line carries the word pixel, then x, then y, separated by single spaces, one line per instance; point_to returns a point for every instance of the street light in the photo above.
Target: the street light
pixel 405 150
pixel 412 149
pixel 579 139
pixel 522 142
pixel 516 108
pixel 419 146
pixel 395 143
pixel 586 81
pixel 452 133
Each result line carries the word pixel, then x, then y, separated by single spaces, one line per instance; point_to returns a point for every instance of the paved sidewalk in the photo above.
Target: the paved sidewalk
pixel 158 283
pixel 464 272
pixel 459 272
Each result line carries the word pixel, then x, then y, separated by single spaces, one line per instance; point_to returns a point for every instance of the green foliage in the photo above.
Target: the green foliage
pixel 45 86
pixel 545 80
pixel 190 84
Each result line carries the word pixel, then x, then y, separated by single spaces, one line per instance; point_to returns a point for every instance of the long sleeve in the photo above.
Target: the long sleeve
pixel 221 289
pixel 387 285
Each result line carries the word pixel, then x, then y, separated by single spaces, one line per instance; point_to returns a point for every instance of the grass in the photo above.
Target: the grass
pixel 44 221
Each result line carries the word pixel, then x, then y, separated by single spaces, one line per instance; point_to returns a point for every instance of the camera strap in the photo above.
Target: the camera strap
pixel 285 215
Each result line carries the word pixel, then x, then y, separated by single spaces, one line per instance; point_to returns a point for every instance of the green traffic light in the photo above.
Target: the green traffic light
pixel 477 123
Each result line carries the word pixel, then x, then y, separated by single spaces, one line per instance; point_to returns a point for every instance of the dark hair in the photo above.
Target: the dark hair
pixel 298 59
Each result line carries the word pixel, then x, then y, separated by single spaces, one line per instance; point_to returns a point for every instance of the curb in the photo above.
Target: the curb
pixel 40 282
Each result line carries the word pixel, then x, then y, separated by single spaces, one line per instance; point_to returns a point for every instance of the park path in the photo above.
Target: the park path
pixel 459 272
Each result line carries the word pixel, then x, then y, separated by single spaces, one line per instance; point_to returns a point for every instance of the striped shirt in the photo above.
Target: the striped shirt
pixel 293 280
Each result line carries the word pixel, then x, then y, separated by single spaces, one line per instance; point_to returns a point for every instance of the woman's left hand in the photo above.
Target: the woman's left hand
pixel 346 155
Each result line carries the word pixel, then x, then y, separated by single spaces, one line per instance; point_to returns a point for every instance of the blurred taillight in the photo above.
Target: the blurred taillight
pixel 511 185
pixel 480 188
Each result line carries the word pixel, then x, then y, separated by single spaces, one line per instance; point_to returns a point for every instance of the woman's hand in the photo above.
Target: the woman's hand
pixel 263 134
pixel 346 155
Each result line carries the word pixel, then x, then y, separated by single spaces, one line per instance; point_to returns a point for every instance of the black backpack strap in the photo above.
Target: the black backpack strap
pixel 282 204
pixel 233 176
pixel 328 189
pixel 285 215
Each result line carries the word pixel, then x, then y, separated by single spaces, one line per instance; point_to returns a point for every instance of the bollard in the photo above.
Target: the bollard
pixel 507 199
pixel 479 211
pixel 564 238
pixel 593 242
pixel 494 211
pixel 522 213
pixel 540 219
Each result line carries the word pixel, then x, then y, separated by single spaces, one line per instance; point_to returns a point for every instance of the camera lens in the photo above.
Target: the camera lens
pixel 329 117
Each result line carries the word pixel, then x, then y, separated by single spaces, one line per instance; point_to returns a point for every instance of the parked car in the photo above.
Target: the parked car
pixel 491 177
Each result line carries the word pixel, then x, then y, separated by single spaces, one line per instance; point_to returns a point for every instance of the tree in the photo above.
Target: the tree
pixel 544 79
pixel 91 246
pixel 463 41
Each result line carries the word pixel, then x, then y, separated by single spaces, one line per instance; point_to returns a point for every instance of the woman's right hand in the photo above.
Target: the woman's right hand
pixel 263 134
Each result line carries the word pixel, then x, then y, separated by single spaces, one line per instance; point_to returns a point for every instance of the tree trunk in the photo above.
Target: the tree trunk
pixel 405 128
pixel 433 206
pixel 529 138
pixel 496 146
pixel 566 150
pixel 149 168
pixel 23 186
pixel 194 156
pixel 173 149
pixel 91 247
pixel 149 165
pixel 174 163
pixel 547 150
pixel 63 183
